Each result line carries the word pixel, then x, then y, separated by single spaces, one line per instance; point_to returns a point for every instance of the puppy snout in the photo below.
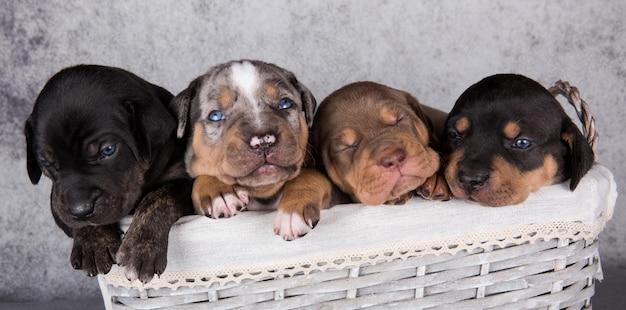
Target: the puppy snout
pixel 82 210
pixel 392 158
pixel 472 181
pixel 263 141
pixel 80 201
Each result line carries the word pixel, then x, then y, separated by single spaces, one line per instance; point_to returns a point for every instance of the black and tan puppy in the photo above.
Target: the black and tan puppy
pixel 107 140
pixel 376 144
pixel 506 137
pixel 248 121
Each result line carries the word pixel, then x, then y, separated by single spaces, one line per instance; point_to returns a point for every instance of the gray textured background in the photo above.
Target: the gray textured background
pixel 433 49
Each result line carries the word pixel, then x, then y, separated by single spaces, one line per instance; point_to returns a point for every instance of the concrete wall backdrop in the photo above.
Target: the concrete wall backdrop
pixel 433 49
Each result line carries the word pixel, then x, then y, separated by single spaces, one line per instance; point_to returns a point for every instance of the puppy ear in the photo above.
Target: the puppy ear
pixel 580 156
pixel 180 105
pixel 308 102
pixel 151 122
pixel 32 163
pixel 433 119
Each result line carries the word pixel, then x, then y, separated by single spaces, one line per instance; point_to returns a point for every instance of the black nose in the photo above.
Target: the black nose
pixel 472 181
pixel 81 211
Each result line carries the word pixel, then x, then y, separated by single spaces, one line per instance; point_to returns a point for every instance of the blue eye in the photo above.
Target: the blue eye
pixel 108 151
pixel 522 143
pixel 46 164
pixel 216 116
pixel 285 104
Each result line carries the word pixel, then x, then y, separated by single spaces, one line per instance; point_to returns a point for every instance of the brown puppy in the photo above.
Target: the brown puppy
pixel 376 144
pixel 507 136
pixel 248 122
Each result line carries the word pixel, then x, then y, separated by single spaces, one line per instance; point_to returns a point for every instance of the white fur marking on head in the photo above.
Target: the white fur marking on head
pixel 246 79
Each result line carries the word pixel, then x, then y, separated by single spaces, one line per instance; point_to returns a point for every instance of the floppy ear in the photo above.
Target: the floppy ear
pixel 580 156
pixel 433 119
pixel 180 105
pixel 151 122
pixel 308 102
pixel 32 163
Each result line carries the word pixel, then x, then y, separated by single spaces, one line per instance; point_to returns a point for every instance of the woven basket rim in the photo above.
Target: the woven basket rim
pixel 572 231
pixel 572 94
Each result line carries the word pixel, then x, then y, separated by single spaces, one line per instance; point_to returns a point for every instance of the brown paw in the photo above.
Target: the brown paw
pixel 143 253
pixel 293 225
pixel 94 249
pixel 215 199
pixel 400 200
pixel 435 188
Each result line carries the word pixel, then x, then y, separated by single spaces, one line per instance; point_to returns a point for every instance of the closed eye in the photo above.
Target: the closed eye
pixel 343 148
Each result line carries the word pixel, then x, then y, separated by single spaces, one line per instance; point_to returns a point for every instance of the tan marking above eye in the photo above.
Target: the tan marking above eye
pixel 388 116
pixel 271 91
pixel 348 136
pixel 225 99
pixel 511 130
pixel 462 124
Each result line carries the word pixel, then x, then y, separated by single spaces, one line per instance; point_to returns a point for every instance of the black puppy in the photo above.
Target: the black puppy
pixel 506 137
pixel 107 140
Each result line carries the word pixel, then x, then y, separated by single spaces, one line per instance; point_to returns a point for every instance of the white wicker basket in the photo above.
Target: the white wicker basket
pixel 423 255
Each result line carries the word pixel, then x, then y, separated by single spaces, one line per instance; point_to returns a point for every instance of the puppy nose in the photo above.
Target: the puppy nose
pixel 393 158
pixel 262 141
pixel 472 181
pixel 81 211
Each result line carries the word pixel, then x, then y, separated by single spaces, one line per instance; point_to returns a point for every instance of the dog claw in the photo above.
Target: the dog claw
pixel 291 226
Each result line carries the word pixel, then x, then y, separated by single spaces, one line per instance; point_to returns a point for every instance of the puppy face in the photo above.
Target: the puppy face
pixel 246 124
pixel 507 136
pixel 373 142
pixel 91 132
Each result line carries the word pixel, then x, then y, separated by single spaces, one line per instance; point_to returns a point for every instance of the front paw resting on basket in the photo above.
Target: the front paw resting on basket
pixel 293 225
pixel 94 249
pixel 143 253
pixel 301 203
pixel 215 199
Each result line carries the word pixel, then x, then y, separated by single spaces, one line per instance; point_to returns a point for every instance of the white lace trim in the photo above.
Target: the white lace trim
pixel 573 231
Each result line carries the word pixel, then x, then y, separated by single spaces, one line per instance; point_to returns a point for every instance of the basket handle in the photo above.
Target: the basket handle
pixel 582 110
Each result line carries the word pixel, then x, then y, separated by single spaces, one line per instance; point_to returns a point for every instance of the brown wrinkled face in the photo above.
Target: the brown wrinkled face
pixel 373 145
pixel 505 139
pixel 247 127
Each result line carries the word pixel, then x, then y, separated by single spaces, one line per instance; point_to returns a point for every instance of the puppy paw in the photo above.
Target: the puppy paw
pixel 94 249
pixel 215 199
pixel 435 188
pixel 400 200
pixel 143 254
pixel 293 225
pixel 225 204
